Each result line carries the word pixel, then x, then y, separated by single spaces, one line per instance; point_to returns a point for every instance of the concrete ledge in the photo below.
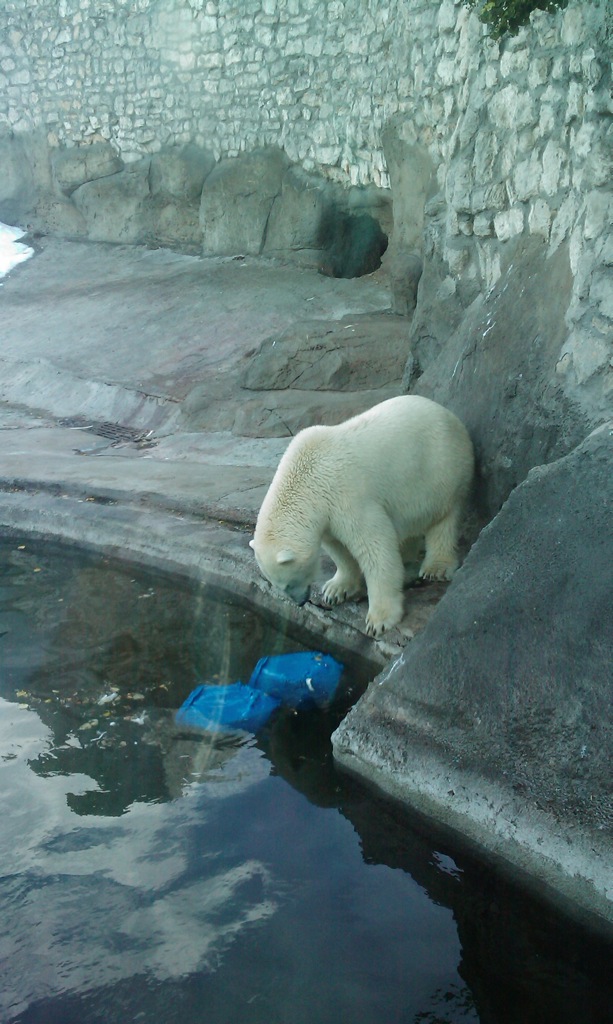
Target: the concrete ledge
pixel 497 719
pixel 571 868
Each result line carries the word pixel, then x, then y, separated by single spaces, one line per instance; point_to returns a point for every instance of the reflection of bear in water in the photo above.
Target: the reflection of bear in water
pixel 361 489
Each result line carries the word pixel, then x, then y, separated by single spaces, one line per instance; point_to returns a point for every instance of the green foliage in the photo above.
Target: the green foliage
pixel 509 15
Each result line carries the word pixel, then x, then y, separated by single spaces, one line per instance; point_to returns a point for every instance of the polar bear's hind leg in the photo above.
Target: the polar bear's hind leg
pixel 441 559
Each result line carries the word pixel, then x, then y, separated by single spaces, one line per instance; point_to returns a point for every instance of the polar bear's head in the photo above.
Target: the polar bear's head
pixel 286 569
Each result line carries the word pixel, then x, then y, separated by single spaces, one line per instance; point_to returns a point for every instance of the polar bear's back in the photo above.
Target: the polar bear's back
pixel 409 454
pixel 405 437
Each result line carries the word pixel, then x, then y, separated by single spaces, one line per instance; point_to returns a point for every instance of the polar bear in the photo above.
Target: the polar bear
pixel 361 490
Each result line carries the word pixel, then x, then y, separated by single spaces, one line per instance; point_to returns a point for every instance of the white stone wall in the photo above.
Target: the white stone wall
pixel 521 136
pixel 519 132
pixel 229 75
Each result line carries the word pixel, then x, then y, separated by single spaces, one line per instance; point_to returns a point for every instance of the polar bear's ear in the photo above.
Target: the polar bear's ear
pixel 285 556
pixel 252 543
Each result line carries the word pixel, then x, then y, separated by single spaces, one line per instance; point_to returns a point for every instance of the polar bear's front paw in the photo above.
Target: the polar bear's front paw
pixel 379 619
pixel 334 593
pixel 338 589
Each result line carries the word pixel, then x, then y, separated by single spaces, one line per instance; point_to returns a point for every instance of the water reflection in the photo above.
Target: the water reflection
pixel 105 657
pixel 153 873
pixel 85 906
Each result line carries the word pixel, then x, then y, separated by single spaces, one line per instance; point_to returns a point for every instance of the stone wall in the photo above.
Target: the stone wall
pixel 482 143
pixel 521 141
pixel 229 75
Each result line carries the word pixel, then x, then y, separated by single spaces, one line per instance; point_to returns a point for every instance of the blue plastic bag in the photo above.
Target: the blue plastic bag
pixel 225 708
pixel 298 680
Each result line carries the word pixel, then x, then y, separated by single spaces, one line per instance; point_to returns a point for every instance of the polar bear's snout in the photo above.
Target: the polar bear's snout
pixel 287 572
pixel 298 594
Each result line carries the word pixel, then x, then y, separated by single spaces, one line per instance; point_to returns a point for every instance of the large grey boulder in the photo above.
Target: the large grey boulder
pixel 117 208
pixel 319 371
pixel 498 718
pixel 300 216
pixel 237 199
pixel 412 179
pixel 356 353
pixel 17 187
pixel 404 272
pixel 57 215
pixel 75 166
pixel 284 413
pixel 180 171
pixel 175 224
pixel 497 370
pixel 176 177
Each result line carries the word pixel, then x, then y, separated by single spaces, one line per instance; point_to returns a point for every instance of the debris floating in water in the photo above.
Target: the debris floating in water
pixel 106 698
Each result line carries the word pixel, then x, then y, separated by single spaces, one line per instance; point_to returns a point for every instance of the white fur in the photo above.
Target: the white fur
pixel 360 490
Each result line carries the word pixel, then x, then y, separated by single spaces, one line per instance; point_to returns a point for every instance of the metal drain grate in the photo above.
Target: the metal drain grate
pixel 115 432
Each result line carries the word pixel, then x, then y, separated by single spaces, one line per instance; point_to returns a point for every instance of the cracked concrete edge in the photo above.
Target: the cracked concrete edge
pixel 571 868
pixel 210 551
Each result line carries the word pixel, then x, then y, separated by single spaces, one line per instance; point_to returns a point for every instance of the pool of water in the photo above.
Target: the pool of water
pixel 149 873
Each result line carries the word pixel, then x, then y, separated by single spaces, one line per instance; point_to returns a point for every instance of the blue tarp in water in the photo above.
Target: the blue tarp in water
pixel 224 708
pixel 307 679
pixel 298 680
